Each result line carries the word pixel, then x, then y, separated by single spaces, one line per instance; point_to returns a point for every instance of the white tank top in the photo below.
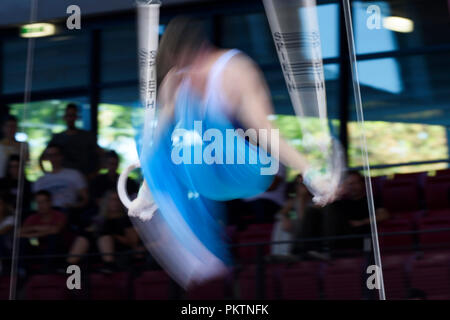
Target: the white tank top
pixel 214 97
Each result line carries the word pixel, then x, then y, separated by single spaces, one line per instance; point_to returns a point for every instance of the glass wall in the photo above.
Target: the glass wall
pixel 403 69
pixel 403 72
pixel 41 120
pixel 118 60
pixel 117 122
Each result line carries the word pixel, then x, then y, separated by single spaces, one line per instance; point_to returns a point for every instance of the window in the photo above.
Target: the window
pixel 118 120
pixel 14 65
pixel 410 109
pixel 424 32
pixel 119 53
pixel 44 118
pixel 59 62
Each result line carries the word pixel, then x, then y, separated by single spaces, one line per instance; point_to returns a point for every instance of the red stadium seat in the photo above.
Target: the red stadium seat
pixel 437 238
pixel 437 193
pixel 395 275
pixel 396 241
pixel 231 232
pixel 254 234
pixel 443 172
pixel 342 279
pixel 47 287
pixel 417 178
pixel 400 196
pixel 152 285
pixel 301 281
pixel 438 213
pixel 217 289
pixel 4 288
pixel 431 273
pixel 247 282
pixel 108 286
pixel 377 186
pixel 67 238
pixel 232 238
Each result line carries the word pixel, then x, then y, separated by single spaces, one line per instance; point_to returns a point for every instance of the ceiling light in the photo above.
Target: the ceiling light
pixel 398 24
pixel 35 30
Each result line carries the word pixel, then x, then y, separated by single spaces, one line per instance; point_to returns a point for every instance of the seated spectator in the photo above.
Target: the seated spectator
pixel 67 186
pixel 348 215
pixel 6 231
pixel 108 181
pixel 9 145
pixel 42 231
pixel 111 232
pixel 10 183
pixel 79 147
pixel 288 219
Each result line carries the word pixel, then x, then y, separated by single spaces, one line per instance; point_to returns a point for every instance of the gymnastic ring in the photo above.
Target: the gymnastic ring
pixel 121 184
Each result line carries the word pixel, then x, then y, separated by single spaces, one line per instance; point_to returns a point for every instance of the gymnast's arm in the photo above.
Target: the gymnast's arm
pixel 245 88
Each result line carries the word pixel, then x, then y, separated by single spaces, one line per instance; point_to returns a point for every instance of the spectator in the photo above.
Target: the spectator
pixel 9 145
pixel 10 183
pixel 79 147
pixel 348 215
pixel 67 186
pixel 108 181
pixel 6 230
pixel 42 231
pixel 288 219
pixel 111 232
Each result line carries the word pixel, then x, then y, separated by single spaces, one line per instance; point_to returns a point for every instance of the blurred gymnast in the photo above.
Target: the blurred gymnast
pixel 229 82
pixel 223 89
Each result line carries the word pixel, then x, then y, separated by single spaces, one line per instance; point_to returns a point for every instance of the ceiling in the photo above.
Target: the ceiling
pixel 14 12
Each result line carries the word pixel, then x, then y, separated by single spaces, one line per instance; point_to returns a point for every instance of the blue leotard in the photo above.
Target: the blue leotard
pixel 192 190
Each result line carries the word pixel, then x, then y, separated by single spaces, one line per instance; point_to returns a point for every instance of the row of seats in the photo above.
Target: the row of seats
pixel 412 192
pixel 345 279
pixel 297 281
pixel 341 279
pixel 429 272
pixel 431 231
pixel 248 251
pixel 416 202
pixel 395 234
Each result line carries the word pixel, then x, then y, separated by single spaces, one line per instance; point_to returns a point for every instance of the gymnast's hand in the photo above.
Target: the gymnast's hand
pixel 324 191
pixel 326 187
